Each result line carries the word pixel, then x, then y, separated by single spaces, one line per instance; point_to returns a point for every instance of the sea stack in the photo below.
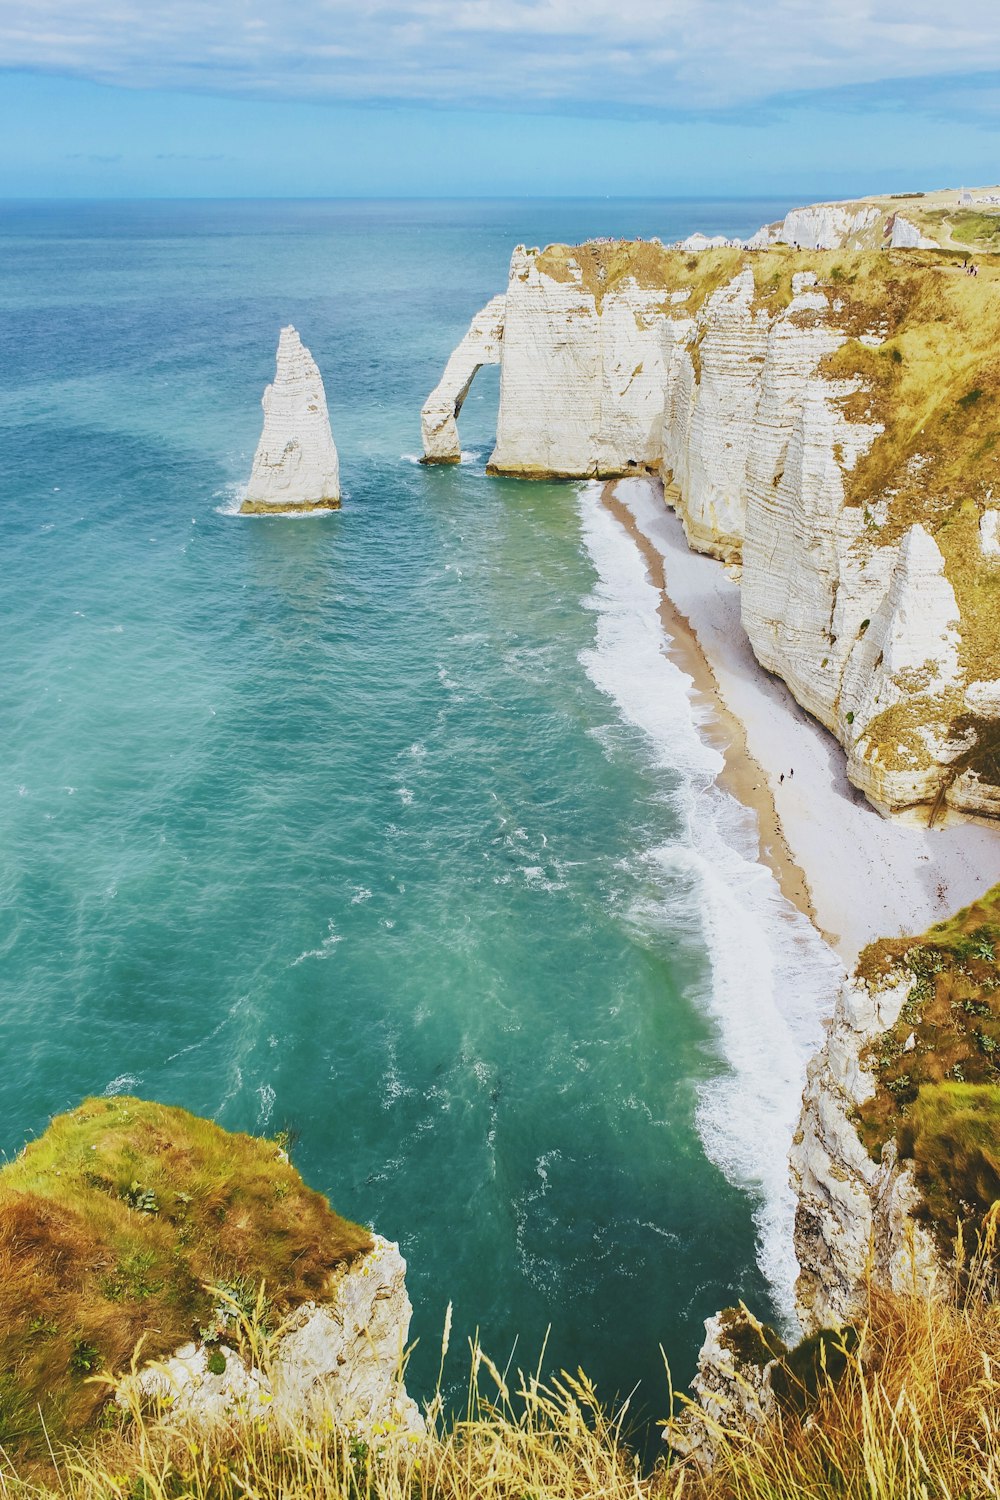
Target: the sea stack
pixel 295 467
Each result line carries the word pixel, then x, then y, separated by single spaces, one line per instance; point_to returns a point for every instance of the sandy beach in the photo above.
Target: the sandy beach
pixel 857 875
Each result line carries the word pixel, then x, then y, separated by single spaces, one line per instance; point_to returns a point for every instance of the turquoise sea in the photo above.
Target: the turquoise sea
pixel 355 825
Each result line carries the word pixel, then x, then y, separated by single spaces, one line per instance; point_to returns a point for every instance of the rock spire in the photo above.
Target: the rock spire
pixel 296 465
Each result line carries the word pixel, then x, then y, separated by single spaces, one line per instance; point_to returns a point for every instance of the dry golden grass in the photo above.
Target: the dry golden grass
pixel 119 1221
pixel 914 1414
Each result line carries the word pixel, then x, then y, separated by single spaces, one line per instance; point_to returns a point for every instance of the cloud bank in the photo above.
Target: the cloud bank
pixel 641 55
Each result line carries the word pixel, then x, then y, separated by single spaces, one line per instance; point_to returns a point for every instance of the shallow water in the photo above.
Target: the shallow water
pixel 359 824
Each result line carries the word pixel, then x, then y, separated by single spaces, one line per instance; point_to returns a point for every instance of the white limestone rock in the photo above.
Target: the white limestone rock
pixel 830 226
pixel 346 1357
pixel 708 422
pixel 482 345
pixel 906 236
pixel 731 1395
pixel 909 654
pixel 581 383
pixel 699 242
pixel 989 535
pixel 854 1215
pixel 800 538
pixel 340 1360
pixel 296 465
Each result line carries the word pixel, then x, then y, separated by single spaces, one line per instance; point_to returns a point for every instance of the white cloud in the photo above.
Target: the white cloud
pixel 663 54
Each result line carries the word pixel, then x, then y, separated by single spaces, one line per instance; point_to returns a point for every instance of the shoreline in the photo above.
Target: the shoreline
pixel 889 877
pixel 740 775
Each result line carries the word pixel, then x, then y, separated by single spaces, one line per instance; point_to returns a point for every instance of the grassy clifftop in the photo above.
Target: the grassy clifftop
pixel 937 1070
pixel 921 361
pixel 124 1220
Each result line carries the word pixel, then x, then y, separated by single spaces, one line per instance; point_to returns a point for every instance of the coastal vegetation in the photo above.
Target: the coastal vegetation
pixel 902 1410
pixel 937 1069
pixel 130 1219
pixel 930 383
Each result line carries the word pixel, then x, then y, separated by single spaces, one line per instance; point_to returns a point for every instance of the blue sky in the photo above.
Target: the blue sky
pixel 463 97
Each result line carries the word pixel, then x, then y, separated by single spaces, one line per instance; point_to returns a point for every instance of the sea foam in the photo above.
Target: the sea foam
pixel 771 974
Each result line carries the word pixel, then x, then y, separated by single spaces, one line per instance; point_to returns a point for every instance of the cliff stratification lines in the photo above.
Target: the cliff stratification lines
pixel 295 467
pixel 826 421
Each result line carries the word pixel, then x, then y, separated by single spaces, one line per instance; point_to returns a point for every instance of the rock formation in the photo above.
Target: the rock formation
pixel 854 1216
pixel 585 360
pixel 339 1360
pixel 296 467
pixel 732 1392
pixel 760 386
pixel 439 417
pixel 931 220
pixel 829 226
pixel 895 1149
pixel 144 1232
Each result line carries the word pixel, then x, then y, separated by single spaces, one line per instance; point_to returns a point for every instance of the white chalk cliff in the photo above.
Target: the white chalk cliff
pixel 843 226
pixel 340 1360
pixel 295 466
pixel 582 375
pixel 439 417
pixel 610 364
pixel 854 1216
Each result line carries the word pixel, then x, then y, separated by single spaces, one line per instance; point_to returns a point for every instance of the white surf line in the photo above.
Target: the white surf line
pixel 772 976
pixel 868 876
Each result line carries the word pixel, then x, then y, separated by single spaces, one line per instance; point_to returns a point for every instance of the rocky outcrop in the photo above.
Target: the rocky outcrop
pixel 339 1360
pixel 830 226
pixel 905 664
pixel 699 242
pixel 862 225
pixel 906 236
pixel 989 534
pixel 295 467
pixel 722 374
pixel 481 345
pixel 759 446
pixel 708 422
pixel 854 1216
pixel 584 366
pixel 732 1391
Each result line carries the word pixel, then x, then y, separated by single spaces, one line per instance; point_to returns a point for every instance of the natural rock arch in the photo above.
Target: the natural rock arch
pixel 482 345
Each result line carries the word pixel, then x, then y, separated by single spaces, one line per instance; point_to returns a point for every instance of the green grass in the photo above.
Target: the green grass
pixel 978 230
pixel 116 1224
pixel 951 1133
pixel 952 1071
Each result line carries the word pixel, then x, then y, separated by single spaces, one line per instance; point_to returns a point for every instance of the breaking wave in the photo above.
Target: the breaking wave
pixel 770 974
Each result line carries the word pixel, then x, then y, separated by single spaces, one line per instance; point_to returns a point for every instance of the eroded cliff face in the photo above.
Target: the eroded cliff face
pixel 897 1137
pixel 761 442
pixel 855 1216
pixel 825 423
pixel 296 466
pixel 481 345
pixel 585 357
pixel 338 1360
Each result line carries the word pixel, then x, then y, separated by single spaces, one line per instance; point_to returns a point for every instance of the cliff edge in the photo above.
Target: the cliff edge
pixel 822 420
pixel 132 1224
pixel 896 1145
